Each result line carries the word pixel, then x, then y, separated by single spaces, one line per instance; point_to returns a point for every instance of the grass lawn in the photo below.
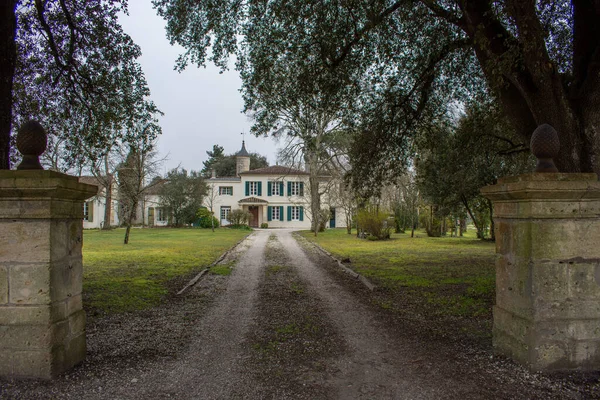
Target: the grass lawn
pixel 444 276
pixel 119 278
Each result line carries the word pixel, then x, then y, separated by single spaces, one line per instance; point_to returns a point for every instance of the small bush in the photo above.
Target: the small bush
pixel 204 219
pixel 374 223
pixel 240 227
pixel 264 225
pixel 239 217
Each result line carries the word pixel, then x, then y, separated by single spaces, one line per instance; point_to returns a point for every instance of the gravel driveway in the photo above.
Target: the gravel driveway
pixel 284 324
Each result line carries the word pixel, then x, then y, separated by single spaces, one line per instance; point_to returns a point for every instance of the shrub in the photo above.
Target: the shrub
pixel 264 225
pixel 374 223
pixel 204 218
pixel 239 217
pixel 240 227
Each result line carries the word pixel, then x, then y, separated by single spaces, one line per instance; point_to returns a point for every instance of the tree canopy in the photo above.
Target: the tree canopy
pixel 456 160
pixel 182 194
pixel 393 65
pixel 69 65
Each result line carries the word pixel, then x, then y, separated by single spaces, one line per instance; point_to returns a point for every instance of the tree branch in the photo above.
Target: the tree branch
pixel 358 35
pixel 443 13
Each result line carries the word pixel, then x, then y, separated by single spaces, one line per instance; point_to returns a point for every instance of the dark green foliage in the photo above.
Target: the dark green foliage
pixel 456 161
pixel 395 67
pixel 183 194
pixel 206 219
pixel 264 225
pixel 76 72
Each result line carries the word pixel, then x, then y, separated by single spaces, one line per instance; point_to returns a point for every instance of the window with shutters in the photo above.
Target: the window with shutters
pixel 295 213
pixel 275 214
pixel 295 189
pixel 275 188
pixel 253 188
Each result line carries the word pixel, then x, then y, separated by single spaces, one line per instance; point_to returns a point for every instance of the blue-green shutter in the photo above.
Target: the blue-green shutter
pixel 289 188
pixel 289 213
pixel 247 188
pixel 301 190
pixel 281 189
pixel 301 213
pixel 281 211
pixel 269 188
pixel 259 188
pixel 269 213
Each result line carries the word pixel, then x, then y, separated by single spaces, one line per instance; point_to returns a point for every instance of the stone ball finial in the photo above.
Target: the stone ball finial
pixel 545 146
pixel 31 142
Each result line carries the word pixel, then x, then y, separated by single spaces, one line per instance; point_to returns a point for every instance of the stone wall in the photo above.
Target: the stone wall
pixel 42 322
pixel 547 312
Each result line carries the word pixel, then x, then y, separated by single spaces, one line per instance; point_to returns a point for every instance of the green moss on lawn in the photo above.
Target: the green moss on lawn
pixel 223 270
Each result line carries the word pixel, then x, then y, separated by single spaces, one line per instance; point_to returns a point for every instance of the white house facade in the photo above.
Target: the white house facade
pixel 94 208
pixel 278 196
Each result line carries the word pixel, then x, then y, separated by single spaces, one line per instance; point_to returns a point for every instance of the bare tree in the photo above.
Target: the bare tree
pixel 210 200
pixel 104 169
pixel 133 176
pixel 318 146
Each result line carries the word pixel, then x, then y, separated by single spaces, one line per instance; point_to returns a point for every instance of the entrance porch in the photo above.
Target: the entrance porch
pixel 257 209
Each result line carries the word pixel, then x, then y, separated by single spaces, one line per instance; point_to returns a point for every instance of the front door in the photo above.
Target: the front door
pixel 332 220
pixel 254 216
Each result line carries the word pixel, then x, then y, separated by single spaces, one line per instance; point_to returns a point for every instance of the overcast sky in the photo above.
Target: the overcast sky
pixel 201 106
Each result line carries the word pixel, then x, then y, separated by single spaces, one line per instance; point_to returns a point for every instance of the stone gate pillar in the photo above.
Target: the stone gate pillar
pixel 42 323
pixel 547 312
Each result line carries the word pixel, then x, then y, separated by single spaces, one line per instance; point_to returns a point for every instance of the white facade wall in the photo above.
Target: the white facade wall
pixel 154 213
pixel 265 202
pixel 94 213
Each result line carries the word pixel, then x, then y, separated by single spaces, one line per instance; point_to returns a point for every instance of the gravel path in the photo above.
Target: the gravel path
pixel 210 368
pixel 375 366
pixel 284 325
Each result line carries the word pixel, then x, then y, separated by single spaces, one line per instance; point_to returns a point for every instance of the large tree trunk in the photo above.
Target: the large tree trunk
pixel 129 217
pixel 315 202
pixel 108 203
pixel 8 59
pixel 528 84
pixel 478 226
pixel 492 226
pixel 313 181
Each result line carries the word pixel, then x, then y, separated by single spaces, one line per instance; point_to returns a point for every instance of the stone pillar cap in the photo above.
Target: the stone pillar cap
pixel 544 186
pixel 32 184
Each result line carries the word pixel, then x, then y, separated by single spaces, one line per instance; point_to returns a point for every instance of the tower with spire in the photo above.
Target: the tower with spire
pixel 242 160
